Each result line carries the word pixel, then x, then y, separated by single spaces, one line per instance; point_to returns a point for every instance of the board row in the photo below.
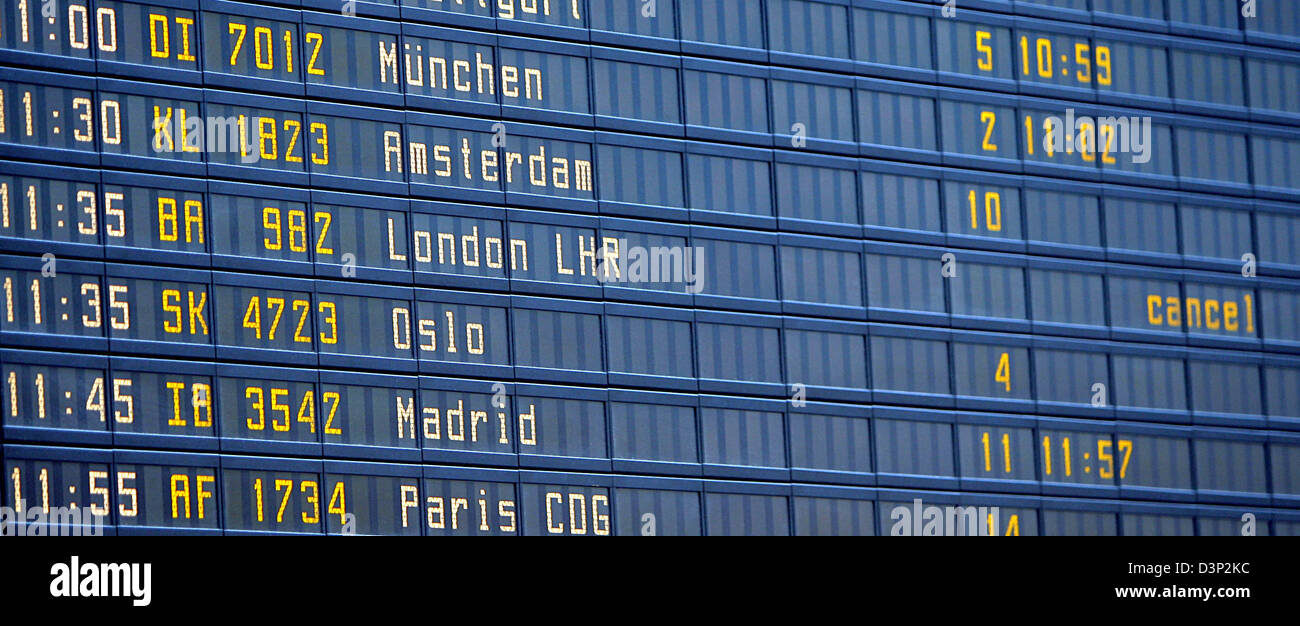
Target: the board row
pixel 80 491
pixel 170 405
pixel 67 119
pixel 280 50
pixel 94 214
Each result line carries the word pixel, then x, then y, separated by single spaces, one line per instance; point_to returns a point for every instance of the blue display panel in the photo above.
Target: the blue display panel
pixel 708 267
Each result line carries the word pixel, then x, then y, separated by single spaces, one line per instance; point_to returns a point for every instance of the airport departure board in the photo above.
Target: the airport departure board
pixel 650 267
